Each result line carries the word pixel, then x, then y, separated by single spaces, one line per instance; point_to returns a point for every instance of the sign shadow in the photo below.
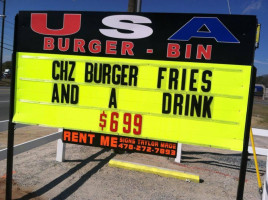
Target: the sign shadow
pixel 71 189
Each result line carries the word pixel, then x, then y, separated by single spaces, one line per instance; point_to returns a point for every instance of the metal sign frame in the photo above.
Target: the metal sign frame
pixel 11 128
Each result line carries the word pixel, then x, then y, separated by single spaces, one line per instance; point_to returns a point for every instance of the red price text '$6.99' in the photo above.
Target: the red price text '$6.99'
pixel 131 122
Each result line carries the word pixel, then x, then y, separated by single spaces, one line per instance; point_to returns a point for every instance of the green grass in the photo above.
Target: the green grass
pixel 260 112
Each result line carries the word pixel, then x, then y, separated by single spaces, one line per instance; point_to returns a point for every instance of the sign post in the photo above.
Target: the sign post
pixel 143 89
pixel 11 124
pixel 244 157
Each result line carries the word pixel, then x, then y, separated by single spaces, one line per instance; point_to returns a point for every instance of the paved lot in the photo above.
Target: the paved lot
pixel 86 175
pixel 4 109
pixel 4 103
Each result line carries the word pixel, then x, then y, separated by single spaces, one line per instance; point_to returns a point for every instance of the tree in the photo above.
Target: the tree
pixel 262 80
pixel 6 65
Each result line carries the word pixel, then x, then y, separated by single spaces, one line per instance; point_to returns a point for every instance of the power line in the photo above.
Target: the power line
pixel 9 22
pixel 8 44
pixel 8 39
pixel 7 49
pixel 10 27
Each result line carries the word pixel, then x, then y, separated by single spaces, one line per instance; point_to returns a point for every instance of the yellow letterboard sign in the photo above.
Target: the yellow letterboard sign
pixel 136 76
pixel 195 103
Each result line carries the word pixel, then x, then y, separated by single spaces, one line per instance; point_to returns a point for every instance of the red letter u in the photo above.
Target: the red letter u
pixel 71 24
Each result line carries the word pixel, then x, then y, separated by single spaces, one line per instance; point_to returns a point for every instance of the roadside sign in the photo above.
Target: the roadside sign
pixel 136 80
pixel 137 76
pixel 120 142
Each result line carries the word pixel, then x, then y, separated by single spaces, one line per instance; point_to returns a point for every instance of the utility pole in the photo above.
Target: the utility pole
pixel 229 8
pixel 134 6
pixel 2 35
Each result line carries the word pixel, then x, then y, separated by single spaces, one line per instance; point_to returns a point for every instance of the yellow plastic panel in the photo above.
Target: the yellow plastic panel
pixel 206 103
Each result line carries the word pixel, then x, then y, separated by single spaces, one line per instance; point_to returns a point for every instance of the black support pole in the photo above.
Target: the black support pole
pixel 11 125
pixel 134 6
pixel 244 159
pixel 10 141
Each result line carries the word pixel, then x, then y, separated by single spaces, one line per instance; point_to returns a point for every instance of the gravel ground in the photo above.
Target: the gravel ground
pixel 86 175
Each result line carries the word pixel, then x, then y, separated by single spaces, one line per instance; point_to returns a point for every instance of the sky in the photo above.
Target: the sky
pixel 240 7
